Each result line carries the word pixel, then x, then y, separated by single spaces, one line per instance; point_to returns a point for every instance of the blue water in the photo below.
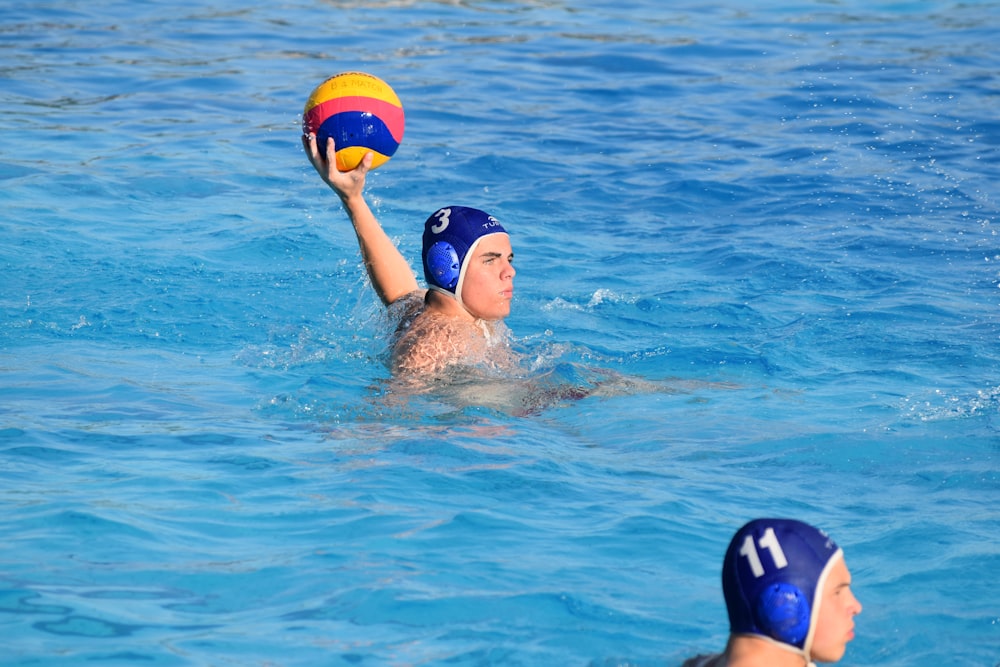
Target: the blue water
pixel 774 224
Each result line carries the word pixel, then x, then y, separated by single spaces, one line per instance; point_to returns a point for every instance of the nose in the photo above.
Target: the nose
pixel 856 605
pixel 508 271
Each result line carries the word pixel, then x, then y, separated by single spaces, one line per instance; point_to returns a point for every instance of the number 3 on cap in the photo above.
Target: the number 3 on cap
pixel 444 219
pixel 768 541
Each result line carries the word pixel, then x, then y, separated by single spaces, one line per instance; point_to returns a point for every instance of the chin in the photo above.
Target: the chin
pixel 829 656
pixel 500 312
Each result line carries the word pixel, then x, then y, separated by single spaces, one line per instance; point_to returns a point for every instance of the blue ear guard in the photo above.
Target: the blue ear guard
pixel 443 265
pixel 783 613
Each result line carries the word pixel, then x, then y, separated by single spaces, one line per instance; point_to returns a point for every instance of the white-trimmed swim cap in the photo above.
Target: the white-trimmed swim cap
pixel 450 235
pixel 772 578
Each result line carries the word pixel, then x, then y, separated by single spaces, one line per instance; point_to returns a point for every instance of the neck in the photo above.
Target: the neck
pixel 444 303
pixel 751 651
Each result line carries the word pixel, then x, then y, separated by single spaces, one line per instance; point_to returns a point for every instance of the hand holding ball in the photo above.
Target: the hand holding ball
pixel 362 114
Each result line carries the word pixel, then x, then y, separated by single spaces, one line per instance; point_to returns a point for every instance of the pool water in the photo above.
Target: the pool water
pixel 762 237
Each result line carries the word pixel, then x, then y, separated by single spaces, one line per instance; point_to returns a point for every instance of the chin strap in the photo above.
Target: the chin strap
pixel 487 332
pixel 440 290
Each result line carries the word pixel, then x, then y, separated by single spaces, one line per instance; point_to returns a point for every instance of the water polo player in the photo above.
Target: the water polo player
pixel 788 594
pixel 467 261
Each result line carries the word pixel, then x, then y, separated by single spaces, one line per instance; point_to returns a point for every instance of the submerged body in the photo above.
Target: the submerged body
pixel 451 337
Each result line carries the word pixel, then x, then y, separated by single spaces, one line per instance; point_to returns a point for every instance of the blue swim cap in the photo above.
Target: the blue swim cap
pixel 772 575
pixel 450 234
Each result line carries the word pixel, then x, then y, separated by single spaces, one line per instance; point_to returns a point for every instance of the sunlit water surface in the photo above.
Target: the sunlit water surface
pixel 759 239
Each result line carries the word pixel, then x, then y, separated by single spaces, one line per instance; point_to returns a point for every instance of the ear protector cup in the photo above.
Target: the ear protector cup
pixel 783 612
pixel 443 264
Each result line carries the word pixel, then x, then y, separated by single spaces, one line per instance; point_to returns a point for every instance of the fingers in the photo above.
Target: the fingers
pixel 311 146
pixel 325 164
pixel 364 166
pixel 312 152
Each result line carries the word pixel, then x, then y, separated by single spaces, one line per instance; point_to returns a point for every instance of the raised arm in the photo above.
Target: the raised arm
pixel 388 270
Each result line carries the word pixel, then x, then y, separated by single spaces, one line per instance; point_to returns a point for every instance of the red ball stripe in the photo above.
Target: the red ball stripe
pixel 388 113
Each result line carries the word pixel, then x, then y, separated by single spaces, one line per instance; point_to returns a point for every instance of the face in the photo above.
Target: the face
pixel 838 607
pixel 488 286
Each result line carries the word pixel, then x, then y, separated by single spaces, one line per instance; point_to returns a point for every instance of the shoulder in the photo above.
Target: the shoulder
pixel 405 308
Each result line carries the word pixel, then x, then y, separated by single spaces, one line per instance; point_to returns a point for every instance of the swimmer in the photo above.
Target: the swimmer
pixel 467 260
pixel 788 594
